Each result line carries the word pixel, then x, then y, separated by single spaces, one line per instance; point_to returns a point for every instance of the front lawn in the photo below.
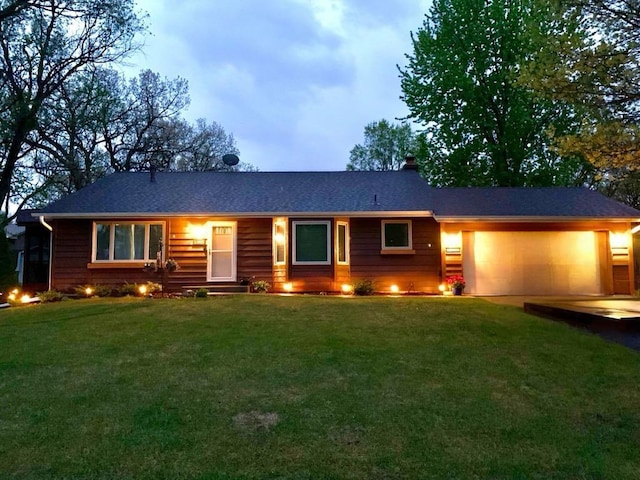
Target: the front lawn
pixel 311 387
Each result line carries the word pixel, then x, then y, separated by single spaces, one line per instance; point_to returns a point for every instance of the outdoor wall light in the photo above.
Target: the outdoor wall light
pixel 279 238
pixel 452 243
pixel 619 241
pixel 198 233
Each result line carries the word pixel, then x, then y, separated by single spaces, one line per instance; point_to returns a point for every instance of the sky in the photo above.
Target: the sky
pixel 294 81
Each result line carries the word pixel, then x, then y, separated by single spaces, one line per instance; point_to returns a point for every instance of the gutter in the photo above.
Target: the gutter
pixel 131 215
pixel 44 223
pixel 530 219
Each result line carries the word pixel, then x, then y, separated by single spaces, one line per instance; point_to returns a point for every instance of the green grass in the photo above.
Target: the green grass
pixel 311 387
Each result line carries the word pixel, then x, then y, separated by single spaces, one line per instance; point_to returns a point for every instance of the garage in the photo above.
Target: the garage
pixel 531 263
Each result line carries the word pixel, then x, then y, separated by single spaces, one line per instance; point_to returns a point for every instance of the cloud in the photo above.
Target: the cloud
pixel 295 81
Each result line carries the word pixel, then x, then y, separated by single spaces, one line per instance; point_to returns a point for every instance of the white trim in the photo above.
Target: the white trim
pixel 294 252
pixel 147 215
pixel 347 241
pixel 279 223
pixel 409 235
pixel 111 259
pixel 532 219
pixel 50 228
pixel 234 251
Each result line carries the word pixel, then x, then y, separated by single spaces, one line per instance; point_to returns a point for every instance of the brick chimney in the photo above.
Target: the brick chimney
pixel 410 163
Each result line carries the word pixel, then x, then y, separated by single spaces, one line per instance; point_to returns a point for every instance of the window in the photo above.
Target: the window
pixel 123 242
pixel 279 243
pixel 396 235
pixel 342 242
pixel 312 243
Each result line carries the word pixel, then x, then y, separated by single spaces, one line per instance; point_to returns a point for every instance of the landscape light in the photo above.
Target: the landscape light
pixel 288 287
pixel 395 288
pixel 142 289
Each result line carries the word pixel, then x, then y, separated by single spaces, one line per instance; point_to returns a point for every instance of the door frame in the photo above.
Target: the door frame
pixel 234 253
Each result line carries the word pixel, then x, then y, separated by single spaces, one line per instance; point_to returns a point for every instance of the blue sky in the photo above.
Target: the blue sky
pixel 295 81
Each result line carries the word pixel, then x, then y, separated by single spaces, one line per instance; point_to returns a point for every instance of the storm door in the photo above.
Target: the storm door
pixel 222 252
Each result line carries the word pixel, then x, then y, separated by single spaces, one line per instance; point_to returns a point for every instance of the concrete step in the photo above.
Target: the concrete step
pixel 218 288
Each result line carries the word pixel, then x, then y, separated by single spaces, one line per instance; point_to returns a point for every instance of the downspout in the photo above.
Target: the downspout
pixel 50 228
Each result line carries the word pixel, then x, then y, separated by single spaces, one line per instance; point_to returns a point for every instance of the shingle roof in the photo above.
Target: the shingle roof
pixel 242 193
pixel 527 202
pixel 249 192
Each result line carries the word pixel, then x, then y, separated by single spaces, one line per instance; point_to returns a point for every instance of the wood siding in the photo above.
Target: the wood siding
pixel 418 272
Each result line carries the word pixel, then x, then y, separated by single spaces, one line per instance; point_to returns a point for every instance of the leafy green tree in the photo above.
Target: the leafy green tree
pixel 594 65
pixel 385 147
pixel 481 127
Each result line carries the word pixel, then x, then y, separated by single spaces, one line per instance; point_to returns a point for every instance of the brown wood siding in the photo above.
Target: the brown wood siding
pixel 419 272
pixel 190 254
pixel 255 249
pixel 72 254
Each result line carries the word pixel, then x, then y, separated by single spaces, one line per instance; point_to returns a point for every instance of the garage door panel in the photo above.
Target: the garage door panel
pixel 531 263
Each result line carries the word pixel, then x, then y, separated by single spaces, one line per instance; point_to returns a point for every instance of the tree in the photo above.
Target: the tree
pixel 595 66
pixel 206 145
pixel 385 147
pixel 481 127
pixel 42 45
pixel 141 122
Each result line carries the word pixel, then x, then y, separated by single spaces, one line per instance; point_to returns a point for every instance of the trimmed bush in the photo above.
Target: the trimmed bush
pixel 364 287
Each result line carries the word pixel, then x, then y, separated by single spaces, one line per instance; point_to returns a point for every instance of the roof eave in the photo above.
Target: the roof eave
pixel 105 215
pixel 534 219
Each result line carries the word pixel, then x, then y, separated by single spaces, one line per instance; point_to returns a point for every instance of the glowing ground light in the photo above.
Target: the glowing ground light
pixel 394 289
pixel 346 288
pixel 287 287
pixel 88 291
pixel 142 289
pixel 25 298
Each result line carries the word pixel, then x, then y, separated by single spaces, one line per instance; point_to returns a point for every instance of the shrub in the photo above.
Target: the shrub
pixel 128 289
pixel 202 293
pixel 261 286
pixel 50 296
pixel 363 287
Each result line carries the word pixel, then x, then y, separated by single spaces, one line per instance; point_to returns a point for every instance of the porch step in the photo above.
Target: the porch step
pixel 219 288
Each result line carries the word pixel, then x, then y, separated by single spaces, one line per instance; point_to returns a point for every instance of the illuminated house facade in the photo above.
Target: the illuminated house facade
pixel 319 231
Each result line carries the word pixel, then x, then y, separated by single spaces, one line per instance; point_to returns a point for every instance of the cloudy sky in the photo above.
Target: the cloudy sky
pixel 295 81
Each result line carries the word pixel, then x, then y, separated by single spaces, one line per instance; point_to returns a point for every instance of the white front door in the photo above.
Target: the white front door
pixel 222 252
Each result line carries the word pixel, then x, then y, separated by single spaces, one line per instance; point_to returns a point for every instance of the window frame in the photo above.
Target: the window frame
pixel 294 249
pixel 276 246
pixel 112 230
pixel 347 250
pixel 408 247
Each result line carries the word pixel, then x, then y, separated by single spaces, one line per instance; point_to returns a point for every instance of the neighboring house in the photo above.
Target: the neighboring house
pixel 316 231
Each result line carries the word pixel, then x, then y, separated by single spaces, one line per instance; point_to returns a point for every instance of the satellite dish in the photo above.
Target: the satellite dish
pixel 230 159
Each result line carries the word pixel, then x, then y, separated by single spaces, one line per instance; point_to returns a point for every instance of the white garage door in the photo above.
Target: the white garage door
pixel 531 263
